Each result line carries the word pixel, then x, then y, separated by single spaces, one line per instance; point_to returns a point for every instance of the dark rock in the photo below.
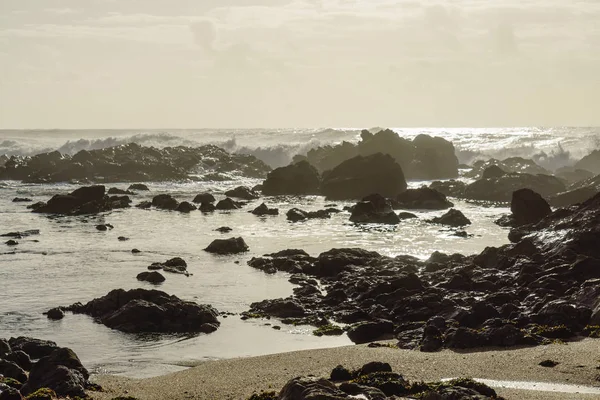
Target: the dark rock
pixel 204 198
pixel 139 187
pixel 102 227
pixel 296 179
pixel 453 218
pixel 11 242
pixel 11 394
pixel 60 371
pixel 361 176
pixel 186 207
pixel 85 200
pixel 406 215
pixel 224 229
pixel 263 209
pixel 548 363
pixel 122 239
pixel 37 205
pixel 528 207
pixel 370 331
pixel 310 388
pixel 242 192
pixel 423 198
pixel 374 209
pixel 136 251
pixel 571 197
pixel 21 200
pixel 154 277
pixel 11 370
pixel 130 162
pixel 493 171
pixel 207 207
pixel 339 374
pixel 226 204
pixel 144 205
pixel 572 175
pixel 374 366
pixel 280 308
pixel 227 246
pixel 141 310
pixel 296 215
pixel 165 202
pixel 55 313
pixel 115 190
pixel 591 162
pixel 4 348
pixel 35 348
pixel 501 189
pixel 20 358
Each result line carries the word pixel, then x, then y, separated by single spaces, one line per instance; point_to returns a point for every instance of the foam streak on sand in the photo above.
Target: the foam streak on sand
pixel 239 378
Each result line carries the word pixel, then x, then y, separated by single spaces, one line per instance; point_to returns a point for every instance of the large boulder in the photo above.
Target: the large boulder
pixel 204 198
pixel 263 209
pixel 227 246
pixel 311 388
pixel 225 205
pixel 374 209
pixel 528 207
pixel 141 310
pixel 423 198
pixel 361 176
pixel 371 331
pixel 84 200
pixel 299 178
pixel 165 202
pixel 501 189
pixel 34 348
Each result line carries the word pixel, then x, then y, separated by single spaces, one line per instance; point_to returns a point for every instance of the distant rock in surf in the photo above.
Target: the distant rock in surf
pixel 85 200
pixel 299 178
pixel 227 246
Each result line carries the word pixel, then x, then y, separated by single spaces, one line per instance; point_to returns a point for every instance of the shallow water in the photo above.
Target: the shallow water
pixel 71 261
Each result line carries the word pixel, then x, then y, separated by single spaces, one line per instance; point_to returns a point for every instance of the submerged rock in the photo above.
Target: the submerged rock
pixel 423 198
pixel 296 215
pixel 165 202
pixel 141 310
pixel 242 192
pixel 227 204
pixel 151 277
pixel 361 176
pixel 374 209
pixel 263 209
pixel 204 198
pixel 138 186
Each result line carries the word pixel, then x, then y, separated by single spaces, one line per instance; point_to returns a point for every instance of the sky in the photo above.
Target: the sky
pixel 298 63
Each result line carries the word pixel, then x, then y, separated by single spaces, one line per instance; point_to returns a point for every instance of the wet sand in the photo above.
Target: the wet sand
pixel 579 364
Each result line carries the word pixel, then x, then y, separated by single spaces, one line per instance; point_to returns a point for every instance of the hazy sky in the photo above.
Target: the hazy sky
pixel 304 63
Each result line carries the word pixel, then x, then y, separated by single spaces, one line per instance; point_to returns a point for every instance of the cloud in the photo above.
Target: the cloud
pixel 205 34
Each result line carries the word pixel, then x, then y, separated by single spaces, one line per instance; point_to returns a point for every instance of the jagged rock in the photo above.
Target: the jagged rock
pixel 374 209
pixel 361 176
pixel 280 308
pixel 138 186
pixel 154 277
pixel 165 202
pixel 452 218
pixel 227 246
pixel 242 192
pixel 141 310
pixel 299 178
pixel 499 168
pixel 310 388
pixel 204 198
pixel 130 162
pixel 263 209
pixel 423 198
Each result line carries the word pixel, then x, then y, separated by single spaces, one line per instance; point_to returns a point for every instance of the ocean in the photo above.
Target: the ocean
pixel 70 261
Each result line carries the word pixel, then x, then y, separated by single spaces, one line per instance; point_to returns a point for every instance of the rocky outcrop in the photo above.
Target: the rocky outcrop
pixel 130 163
pixel 85 200
pixel 571 197
pixel 374 209
pixel 501 189
pixel 58 371
pixel 227 246
pixel 165 202
pixel 175 265
pixel 226 205
pixel 361 176
pixel 423 198
pixel 424 157
pixel 299 178
pixel 141 310
pixel 376 380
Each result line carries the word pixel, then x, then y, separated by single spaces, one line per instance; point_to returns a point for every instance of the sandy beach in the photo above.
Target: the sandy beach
pixel 579 364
